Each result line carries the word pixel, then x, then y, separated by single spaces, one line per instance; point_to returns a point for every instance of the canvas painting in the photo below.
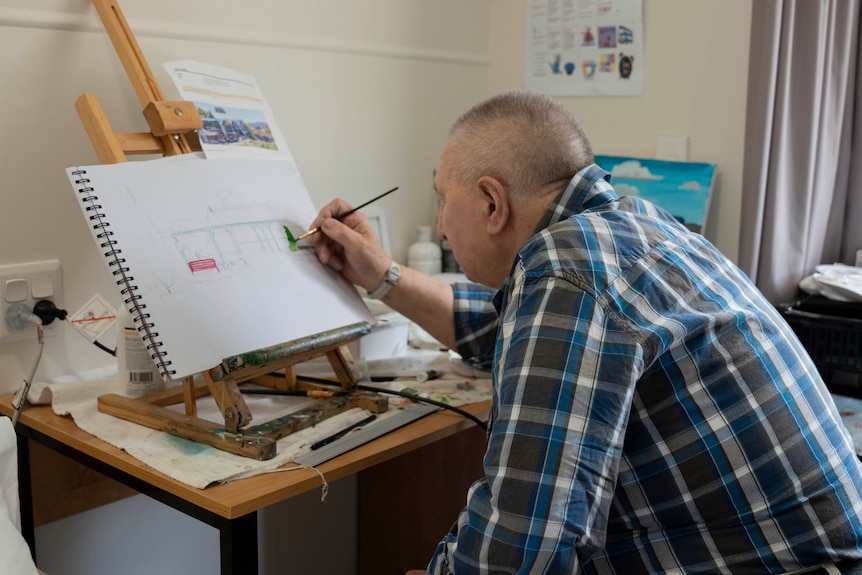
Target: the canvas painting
pixel 682 188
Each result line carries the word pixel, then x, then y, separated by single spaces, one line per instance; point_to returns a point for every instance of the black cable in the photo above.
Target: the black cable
pixel 414 397
pixel 104 348
pixel 49 311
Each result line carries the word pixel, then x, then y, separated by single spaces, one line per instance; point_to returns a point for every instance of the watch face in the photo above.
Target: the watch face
pixel 393 274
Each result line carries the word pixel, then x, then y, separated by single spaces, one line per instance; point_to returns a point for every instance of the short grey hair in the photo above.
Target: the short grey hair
pixel 524 139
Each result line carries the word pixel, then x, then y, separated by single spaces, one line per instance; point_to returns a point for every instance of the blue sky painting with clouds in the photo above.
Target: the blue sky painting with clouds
pixel 681 188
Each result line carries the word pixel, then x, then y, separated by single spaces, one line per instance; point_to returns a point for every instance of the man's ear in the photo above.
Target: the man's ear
pixel 496 207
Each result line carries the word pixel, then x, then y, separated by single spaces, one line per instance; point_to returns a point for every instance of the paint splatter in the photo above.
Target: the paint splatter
pixel 290 240
pixel 187 447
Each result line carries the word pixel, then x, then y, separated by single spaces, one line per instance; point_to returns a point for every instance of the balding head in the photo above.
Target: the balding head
pixel 524 139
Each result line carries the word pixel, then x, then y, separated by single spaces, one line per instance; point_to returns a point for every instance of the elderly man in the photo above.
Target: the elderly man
pixel 652 411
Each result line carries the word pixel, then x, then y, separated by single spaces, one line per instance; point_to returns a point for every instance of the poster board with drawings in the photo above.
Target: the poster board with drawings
pixel 682 188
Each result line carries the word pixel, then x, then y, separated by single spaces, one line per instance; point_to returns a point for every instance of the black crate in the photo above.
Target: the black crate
pixel 831 332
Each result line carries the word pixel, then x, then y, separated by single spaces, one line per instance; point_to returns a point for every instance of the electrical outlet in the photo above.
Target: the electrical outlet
pixel 21 286
pixel 674 148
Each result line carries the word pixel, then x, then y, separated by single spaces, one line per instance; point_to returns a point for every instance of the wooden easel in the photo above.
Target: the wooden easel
pixel 172 132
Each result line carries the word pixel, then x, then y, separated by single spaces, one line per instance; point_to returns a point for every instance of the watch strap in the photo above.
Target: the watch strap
pixel 390 280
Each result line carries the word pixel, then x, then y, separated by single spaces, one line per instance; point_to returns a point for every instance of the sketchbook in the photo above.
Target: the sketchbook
pixel 201 257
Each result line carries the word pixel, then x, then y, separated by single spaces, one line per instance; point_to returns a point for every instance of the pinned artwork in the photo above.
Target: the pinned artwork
pixel 585 48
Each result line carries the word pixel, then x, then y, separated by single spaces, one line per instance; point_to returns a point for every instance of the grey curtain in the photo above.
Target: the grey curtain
pixel 802 175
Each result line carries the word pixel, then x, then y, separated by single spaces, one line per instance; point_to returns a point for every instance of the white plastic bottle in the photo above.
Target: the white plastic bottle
pixel 425 255
pixel 137 374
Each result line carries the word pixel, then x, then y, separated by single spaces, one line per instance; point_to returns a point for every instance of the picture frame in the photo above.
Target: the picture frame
pixel 684 189
pixel 377 217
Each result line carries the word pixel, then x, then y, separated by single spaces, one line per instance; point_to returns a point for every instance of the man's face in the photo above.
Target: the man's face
pixel 460 218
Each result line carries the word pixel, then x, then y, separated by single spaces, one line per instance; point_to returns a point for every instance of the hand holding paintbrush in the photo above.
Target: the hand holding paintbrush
pixel 340 217
pixel 350 245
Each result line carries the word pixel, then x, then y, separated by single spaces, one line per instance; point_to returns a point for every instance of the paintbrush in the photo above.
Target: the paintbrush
pixel 340 217
pixel 315 393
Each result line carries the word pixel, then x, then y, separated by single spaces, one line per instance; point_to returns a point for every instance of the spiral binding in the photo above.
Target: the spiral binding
pixel 124 279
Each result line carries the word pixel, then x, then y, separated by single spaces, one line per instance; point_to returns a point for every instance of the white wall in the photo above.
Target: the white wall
pixel 695 82
pixel 364 92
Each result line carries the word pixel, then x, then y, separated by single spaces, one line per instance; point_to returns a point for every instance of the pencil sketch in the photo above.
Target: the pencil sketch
pixel 202 244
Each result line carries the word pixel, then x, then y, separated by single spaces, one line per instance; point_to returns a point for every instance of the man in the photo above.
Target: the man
pixel 652 411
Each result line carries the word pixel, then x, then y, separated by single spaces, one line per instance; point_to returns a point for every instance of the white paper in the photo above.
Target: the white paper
pixel 205 245
pixel 585 47
pixel 238 122
pixel 94 318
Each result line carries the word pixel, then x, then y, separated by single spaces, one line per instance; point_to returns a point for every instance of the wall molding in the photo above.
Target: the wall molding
pixel 64 21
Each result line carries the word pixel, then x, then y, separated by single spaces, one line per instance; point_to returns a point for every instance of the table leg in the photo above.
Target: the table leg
pixel 25 494
pixel 238 538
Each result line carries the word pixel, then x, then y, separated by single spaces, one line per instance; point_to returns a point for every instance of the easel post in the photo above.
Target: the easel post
pixel 172 132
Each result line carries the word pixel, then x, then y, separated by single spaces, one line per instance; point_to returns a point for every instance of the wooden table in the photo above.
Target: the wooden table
pixel 231 508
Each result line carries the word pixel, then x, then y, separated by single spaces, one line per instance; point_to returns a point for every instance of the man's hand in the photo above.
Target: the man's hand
pixel 350 246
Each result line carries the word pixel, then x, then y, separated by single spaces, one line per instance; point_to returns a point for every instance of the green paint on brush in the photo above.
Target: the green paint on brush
pixel 290 240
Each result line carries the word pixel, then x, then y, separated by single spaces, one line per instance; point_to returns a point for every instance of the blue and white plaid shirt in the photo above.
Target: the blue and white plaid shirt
pixel 652 413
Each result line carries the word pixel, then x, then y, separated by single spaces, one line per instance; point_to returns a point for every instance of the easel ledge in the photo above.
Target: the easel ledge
pixel 172 132
pixel 223 383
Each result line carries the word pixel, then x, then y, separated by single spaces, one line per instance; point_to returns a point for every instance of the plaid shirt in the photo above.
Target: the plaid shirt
pixel 652 413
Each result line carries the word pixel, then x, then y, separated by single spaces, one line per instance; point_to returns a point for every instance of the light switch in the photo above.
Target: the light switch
pixel 673 148
pixel 42 286
pixel 16 290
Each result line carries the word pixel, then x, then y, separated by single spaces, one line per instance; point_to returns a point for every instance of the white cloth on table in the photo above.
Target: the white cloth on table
pixel 200 465
pixel 837 282
pixel 189 462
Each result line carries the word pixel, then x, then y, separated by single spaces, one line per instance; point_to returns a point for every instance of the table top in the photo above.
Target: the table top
pixel 238 498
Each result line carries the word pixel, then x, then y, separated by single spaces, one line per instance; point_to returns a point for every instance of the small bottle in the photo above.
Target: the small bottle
pixel 137 374
pixel 425 255
pixel 450 264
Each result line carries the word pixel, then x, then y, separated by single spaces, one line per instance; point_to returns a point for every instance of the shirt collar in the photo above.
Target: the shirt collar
pixel 588 188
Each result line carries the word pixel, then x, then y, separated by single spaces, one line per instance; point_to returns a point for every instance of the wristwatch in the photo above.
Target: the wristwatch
pixel 390 280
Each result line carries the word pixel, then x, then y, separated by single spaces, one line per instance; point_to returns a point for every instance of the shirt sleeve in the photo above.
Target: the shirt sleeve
pixel 476 322
pixel 564 381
